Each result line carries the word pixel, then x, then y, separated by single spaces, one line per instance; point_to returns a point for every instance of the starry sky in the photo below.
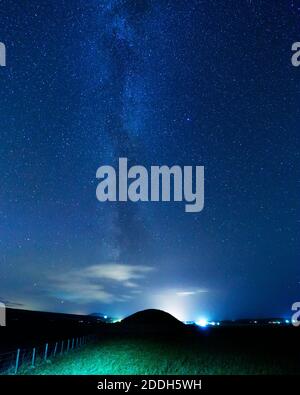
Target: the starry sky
pixel 161 82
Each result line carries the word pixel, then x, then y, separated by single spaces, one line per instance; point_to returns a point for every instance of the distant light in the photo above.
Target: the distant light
pixel 287 321
pixel 202 322
pixel 213 323
pixel 275 322
pixel 218 323
pixel 189 322
pixel 105 317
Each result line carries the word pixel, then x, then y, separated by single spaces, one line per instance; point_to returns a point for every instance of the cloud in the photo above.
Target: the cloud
pixel 81 291
pixel 117 272
pixel 106 283
pixel 191 293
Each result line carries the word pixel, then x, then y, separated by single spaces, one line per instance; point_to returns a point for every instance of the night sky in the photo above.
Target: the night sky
pixel 160 82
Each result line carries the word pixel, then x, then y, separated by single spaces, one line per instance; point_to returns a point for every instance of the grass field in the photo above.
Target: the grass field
pixel 148 356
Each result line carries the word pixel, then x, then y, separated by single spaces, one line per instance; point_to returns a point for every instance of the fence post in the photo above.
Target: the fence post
pixel 33 357
pixel 46 352
pixel 55 349
pixel 62 348
pixel 17 361
pixel 76 342
pixel 68 346
pixel 73 343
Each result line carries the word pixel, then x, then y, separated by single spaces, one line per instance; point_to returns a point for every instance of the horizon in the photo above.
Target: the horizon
pixel 120 318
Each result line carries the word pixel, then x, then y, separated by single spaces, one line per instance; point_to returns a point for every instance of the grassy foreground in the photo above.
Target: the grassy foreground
pixel 146 356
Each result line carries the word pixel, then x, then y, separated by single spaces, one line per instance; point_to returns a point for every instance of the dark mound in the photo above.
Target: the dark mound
pixel 152 321
pixel 151 316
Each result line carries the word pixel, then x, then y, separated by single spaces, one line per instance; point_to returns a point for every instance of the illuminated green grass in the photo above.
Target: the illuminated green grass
pixel 138 356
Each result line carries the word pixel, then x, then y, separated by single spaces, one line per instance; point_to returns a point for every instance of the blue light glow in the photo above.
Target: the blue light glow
pixel 202 322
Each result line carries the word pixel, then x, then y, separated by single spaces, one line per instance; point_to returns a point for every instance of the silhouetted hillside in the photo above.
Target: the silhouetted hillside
pixel 25 327
pixel 151 321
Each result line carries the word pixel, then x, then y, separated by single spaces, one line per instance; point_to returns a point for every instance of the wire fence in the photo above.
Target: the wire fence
pixel 28 358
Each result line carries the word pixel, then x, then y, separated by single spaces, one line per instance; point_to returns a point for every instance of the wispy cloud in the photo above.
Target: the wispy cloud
pixel 116 272
pixel 191 293
pixel 106 283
